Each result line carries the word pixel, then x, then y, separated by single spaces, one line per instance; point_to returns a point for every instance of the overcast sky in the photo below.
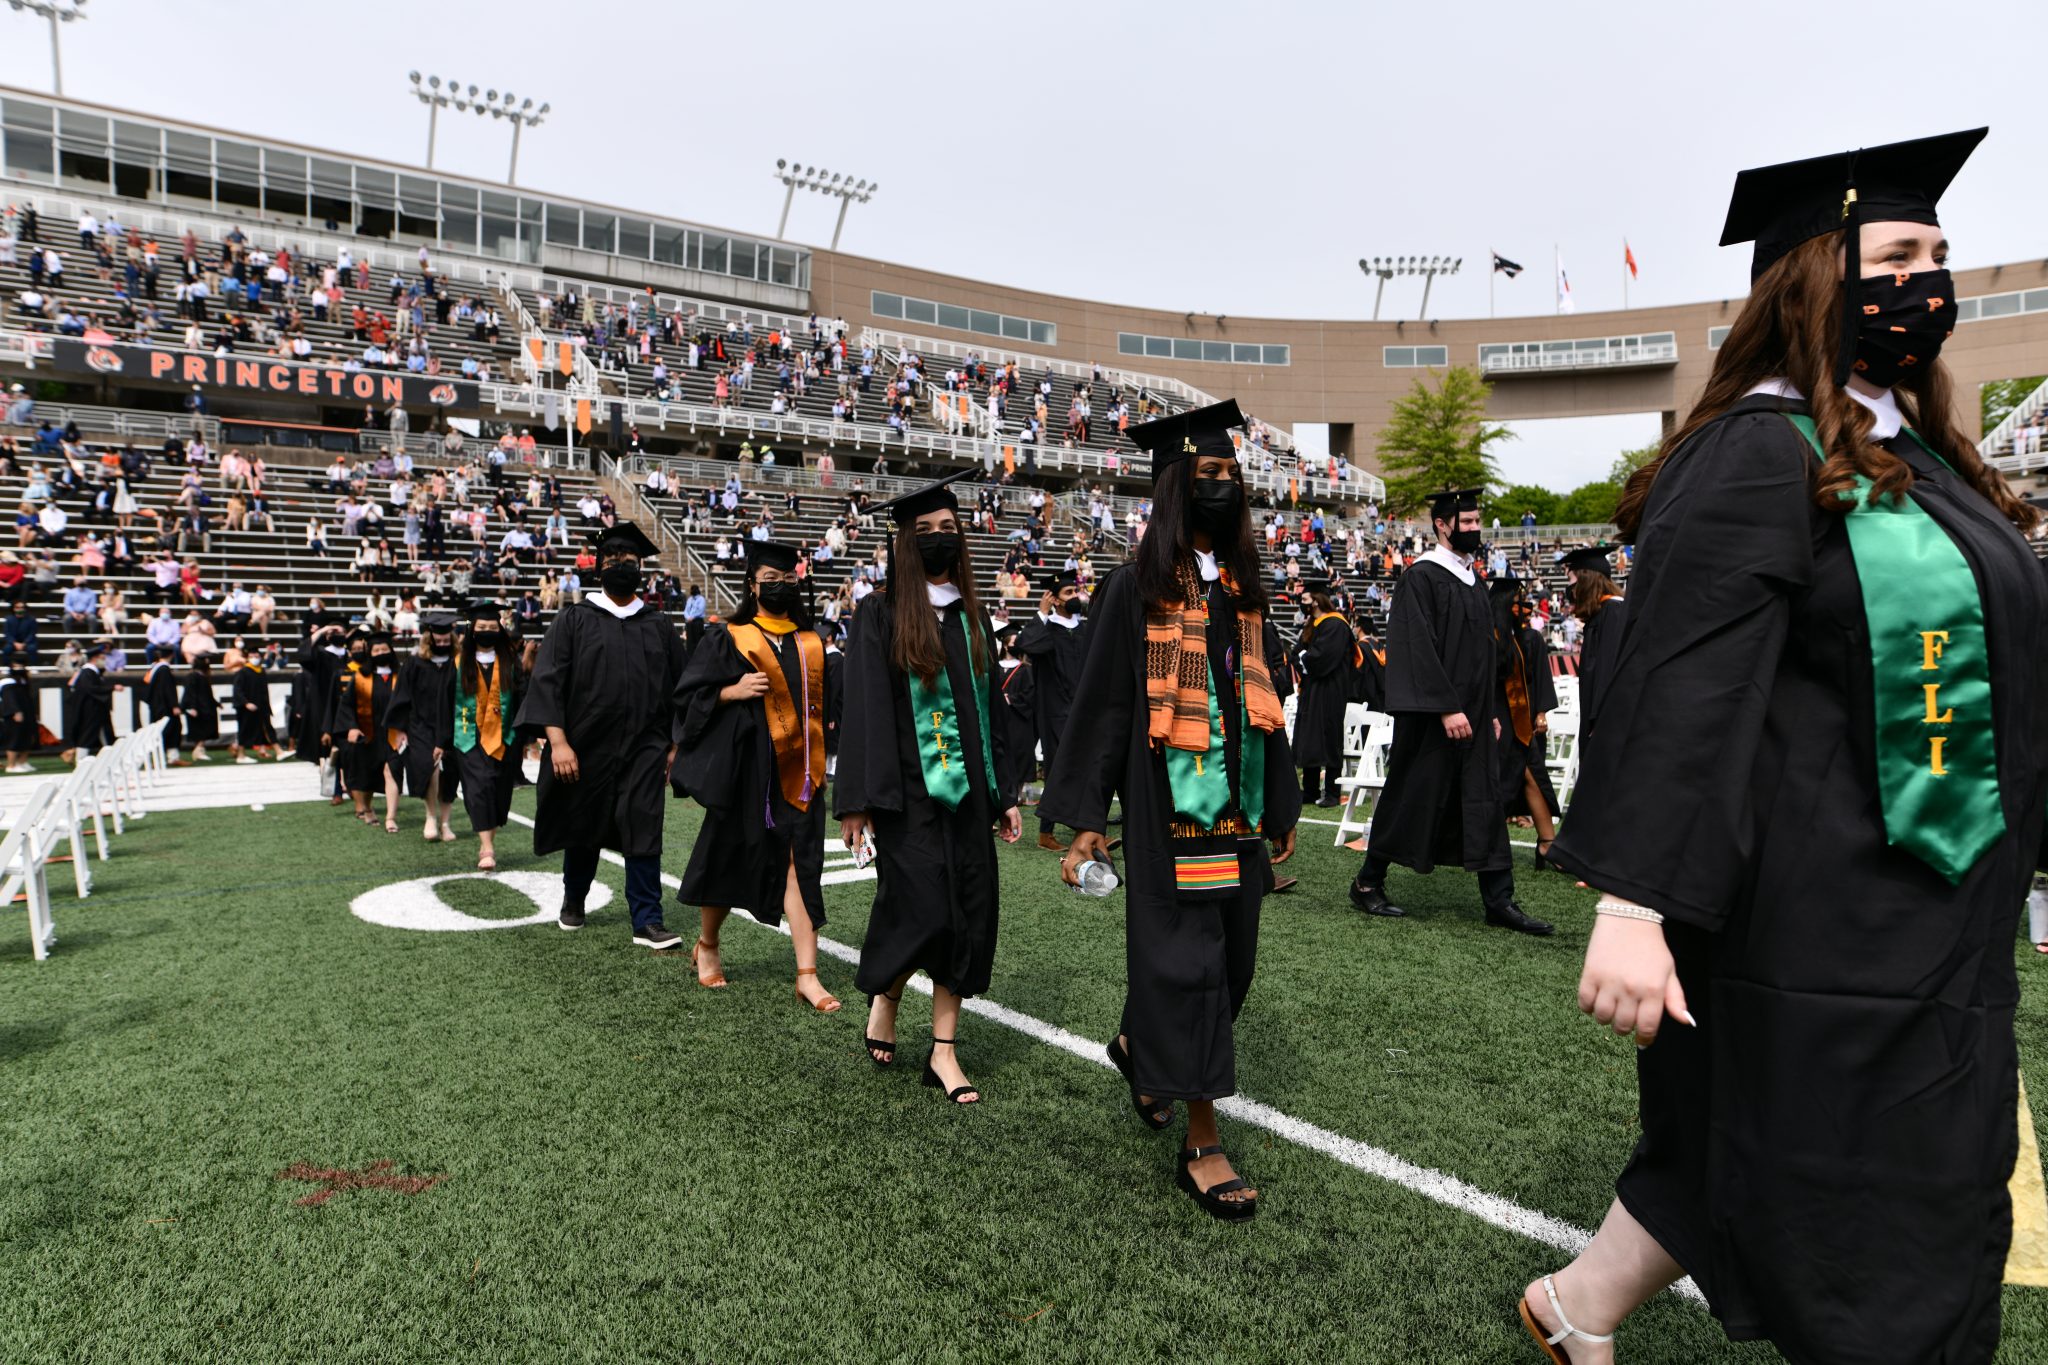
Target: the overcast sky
pixel 1195 155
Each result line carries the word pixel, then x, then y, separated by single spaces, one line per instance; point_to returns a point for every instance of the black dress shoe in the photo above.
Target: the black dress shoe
pixel 1284 884
pixel 1331 800
pixel 572 916
pixel 1373 901
pixel 1512 916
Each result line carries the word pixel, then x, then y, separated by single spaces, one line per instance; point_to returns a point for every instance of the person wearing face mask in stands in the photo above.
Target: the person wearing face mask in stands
pixel 422 706
pixel 1441 803
pixel 477 738
pixel 362 702
pixel 1055 644
pixel 602 691
pixel 924 767
pixel 1177 715
pixel 751 713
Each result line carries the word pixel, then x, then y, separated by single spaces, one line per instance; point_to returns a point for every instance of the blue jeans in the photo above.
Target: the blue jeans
pixel 643 884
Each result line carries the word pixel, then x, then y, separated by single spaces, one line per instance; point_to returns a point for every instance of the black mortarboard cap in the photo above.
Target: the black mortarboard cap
pixel 1198 431
pixel 483 610
pixel 1590 557
pixel 1778 207
pixel 378 637
pixel 626 538
pixel 1062 578
pixel 772 553
pixel 1446 505
pixel 933 497
pixel 1504 583
pixel 1008 631
pixel 95 649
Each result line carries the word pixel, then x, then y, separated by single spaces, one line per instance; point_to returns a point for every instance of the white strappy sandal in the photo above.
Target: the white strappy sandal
pixel 1565 1330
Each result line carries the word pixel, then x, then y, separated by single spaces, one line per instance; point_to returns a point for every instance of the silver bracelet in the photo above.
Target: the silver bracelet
pixel 1625 910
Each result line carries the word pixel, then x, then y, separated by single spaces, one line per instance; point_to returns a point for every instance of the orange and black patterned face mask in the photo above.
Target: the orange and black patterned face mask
pixel 1906 316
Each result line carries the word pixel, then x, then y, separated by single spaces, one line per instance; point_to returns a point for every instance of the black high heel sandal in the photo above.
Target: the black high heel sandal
pixel 1161 1112
pixel 1211 1200
pixel 875 1045
pixel 931 1077
pixel 1544 864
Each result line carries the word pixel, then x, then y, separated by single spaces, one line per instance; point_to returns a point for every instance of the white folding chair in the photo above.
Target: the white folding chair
pixel 1561 755
pixel 24 857
pixel 1366 773
pixel 77 805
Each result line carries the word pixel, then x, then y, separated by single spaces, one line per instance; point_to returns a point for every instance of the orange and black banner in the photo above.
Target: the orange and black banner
pixel 261 375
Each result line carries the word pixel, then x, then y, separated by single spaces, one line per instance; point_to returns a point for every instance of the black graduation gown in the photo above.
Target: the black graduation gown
pixel 423 709
pixel 1278 666
pixel 726 759
pixel 318 669
pixel 201 707
pixel 19 696
pixel 92 709
pixel 835 683
pixel 487 782
pixel 607 683
pixel 253 728
pixel 160 695
pixel 1515 757
pixel 1441 802
pixel 361 763
pixel 1369 683
pixel 1020 718
pixel 936 894
pixel 1827 1153
pixel 1056 654
pixel 1189 963
pixel 1326 655
pixel 1599 650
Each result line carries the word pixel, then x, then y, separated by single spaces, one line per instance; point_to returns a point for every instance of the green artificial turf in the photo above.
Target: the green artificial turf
pixel 638 1169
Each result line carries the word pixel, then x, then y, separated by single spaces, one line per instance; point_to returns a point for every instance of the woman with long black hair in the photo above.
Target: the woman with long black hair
pixel 1814 807
pixel 1177 715
pixel 924 769
pixel 1524 696
pixel 481 737
pixel 421 706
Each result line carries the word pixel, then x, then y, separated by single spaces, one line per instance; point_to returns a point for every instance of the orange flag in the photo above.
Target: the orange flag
pixel 565 358
pixel 583 416
pixel 537 348
pixel 1009 459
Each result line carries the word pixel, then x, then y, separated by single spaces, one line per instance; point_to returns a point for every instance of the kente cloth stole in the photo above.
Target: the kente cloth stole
pixel 1930 669
pixel 1357 650
pixel 940 751
pixel 1177 701
pixel 1517 686
pixel 1201 781
pixel 799 738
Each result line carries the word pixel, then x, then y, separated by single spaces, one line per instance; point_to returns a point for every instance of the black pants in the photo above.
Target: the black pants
pixel 643 884
pixel 1496 889
pixel 1323 778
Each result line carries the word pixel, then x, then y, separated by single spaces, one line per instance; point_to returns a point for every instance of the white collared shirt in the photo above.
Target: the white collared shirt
pixel 1207 563
pixel 1459 566
pixel 603 600
pixel 941 595
pixel 1890 421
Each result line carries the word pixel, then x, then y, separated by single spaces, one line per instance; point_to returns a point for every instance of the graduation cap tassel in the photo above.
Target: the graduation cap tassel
pixel 1852 277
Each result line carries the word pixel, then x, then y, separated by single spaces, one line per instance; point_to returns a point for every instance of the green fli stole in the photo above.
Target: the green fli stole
pixel 1930 668
pixel 1201 782
pixel 940 750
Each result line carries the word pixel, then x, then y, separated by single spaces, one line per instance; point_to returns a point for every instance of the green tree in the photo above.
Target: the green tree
pixel 1590 503
pixel 2001 396
pixel 1526 497
pixel 1629 461
pixel 1438 438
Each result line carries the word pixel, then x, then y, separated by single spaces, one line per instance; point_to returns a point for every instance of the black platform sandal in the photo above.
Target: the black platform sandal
pixel 931 1077
pixel 1211 1200
pixel 1160 1113
pixel 875 1045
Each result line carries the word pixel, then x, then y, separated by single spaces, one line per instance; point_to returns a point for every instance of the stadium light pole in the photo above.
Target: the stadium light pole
pixel 1429 267
pixel 57 14
pixel 523 116
pixel 431 95
pixel 1437 265
pixel 844 188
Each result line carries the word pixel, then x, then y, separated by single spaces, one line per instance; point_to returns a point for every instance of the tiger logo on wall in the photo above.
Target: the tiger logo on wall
pixel 105 361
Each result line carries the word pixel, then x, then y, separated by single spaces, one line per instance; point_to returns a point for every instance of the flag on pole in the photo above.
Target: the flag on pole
pixel 1564 289
pixel 1629 258
pixel 1505 266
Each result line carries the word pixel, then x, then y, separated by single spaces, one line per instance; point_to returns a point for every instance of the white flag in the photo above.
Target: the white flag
pixel 1564 289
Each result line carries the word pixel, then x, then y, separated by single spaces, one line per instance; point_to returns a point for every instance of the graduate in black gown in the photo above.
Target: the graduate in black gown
pixel 1369 684
pixel 1177 718
pixel 602 691
pixel 160 695
pixel 1019 687
pixel 422 710
pixel 1055 642
pixel 91 696
pixel 1603 619
pixel 1524 696
pixel 360 721
pixel 1330 659
pixel 1814 806
pixel 249 694
pixel 18 715
pixel 924 769
pixel 1441 802
pixel 478 738
pixel 201 708
pixel 750 731
pixel 321 657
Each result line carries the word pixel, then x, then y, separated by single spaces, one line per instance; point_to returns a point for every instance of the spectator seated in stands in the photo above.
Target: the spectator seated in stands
pixel 81 605
pixel 51 522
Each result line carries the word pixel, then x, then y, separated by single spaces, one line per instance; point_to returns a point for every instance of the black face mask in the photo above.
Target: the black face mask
pixel 381 662
pixel 1073 606
pixel 940 551
pixel 484 644
pixel 1906 318
pixel 1465 542
pixel 356 655
pixel 1215 505
pixel 620 580
pixel 781 598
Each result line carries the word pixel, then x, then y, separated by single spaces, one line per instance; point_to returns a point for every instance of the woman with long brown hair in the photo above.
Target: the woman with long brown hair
pixel 1602 614
pixel 1814 808
pixel 924 771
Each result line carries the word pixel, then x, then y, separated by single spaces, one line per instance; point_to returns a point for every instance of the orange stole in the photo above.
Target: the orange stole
pixel 364 683
pixel 795 738
pixel 490 725
pixel 1518 694
pixel 1357 650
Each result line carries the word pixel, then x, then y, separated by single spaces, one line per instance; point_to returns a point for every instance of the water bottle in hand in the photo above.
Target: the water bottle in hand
pixel 1096 877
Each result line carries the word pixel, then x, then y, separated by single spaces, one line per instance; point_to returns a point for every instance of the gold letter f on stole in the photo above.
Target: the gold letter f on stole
pixel 1931 642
